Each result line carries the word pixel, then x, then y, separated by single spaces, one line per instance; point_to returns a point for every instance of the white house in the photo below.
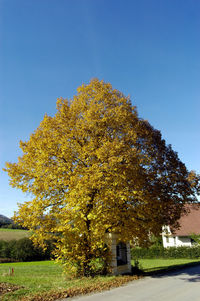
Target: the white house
pixel 189 224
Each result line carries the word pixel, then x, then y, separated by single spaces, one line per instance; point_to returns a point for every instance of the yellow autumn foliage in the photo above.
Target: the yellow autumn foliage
pixel 97 167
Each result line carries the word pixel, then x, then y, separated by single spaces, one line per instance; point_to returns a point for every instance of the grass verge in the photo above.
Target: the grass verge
pixel 162 264
pixel 44 281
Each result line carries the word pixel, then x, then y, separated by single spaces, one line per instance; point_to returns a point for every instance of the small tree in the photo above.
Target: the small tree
pixel 97 167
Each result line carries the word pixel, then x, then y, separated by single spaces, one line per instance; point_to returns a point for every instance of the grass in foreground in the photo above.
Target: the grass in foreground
pixel 44 280
pixel 150 265
pixel 32 276
pixel 10 234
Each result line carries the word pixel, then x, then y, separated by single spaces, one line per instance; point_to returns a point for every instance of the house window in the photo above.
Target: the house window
pixel 121 254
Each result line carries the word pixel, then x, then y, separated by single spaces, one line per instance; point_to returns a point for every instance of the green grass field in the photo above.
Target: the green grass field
pixel 43 276
pixel 33 276
pixel 150 265
pixel 47 276
pixel 10 234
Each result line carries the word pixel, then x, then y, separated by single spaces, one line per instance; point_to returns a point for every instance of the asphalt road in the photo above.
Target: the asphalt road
pixel 182 285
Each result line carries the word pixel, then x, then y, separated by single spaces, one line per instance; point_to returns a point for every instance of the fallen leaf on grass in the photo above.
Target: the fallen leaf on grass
pixel 7 288
pixel 75 291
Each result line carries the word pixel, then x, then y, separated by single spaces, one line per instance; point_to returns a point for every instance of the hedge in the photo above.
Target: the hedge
pixel 23 250
pixel 161 252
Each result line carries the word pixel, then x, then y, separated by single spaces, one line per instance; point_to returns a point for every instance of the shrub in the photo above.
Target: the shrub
pixel 161 252
pixel 7 260
pixel 23 250
pixel 136 269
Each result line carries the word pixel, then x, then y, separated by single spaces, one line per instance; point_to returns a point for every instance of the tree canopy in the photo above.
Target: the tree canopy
pixel 96 167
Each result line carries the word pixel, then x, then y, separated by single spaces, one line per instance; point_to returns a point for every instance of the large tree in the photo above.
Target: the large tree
pixel 97 167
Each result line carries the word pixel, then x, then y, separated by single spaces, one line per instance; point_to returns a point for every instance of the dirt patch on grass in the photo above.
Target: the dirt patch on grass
pixel 7 288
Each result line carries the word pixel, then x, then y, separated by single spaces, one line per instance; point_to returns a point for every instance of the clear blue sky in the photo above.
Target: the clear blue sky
pixel 148 49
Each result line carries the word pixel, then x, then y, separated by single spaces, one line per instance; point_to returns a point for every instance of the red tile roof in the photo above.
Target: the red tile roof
pixel 189 223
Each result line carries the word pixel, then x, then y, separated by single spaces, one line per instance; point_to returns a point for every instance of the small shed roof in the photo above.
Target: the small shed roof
pixel 189 223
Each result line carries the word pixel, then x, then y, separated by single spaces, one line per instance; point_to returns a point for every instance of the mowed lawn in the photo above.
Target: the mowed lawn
pixel 149 265
pixel 10 234
pixel 46 276
pixel 33 277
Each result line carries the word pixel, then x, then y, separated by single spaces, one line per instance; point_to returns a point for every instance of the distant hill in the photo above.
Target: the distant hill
pixel 5 220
